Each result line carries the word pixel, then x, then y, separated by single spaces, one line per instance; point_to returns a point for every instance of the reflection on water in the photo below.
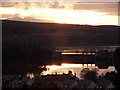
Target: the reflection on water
pixel 78 53
pixel 85 48
pixel 75 68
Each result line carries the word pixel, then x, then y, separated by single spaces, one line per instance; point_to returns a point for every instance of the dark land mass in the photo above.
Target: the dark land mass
pixel 59 35
pixel 24 42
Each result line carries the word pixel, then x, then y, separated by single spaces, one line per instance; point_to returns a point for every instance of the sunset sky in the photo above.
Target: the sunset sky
pixel 67 0
pixel 91 12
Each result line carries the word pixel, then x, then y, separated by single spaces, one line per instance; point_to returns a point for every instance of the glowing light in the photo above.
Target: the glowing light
pixel 53 67
pixel 93 65
pixel 62 16
pixel 71 65
pixel 93 53
pixel 68 65
pixel 31 75
pixel 89 53
pixel 85 53
pixel 85 65
pixel 70 53
pixel 89 65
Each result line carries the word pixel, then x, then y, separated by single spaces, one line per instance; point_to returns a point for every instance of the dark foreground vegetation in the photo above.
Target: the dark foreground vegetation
pixel 24 59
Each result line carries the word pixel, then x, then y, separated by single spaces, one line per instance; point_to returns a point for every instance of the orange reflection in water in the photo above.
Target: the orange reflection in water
pixel 69 53
pixel 75 68
pixel 68 65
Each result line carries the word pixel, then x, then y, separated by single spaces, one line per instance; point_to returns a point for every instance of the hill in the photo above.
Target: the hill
pixel 55 35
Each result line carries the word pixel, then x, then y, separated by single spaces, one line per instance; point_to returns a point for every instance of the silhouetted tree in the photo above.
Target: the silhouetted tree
pixel 89 74
pixel 24 59
pixel 117 67
pixel 117 59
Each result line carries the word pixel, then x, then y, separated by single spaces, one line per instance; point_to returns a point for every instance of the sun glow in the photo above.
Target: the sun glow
pixel 68 65
pixel 75 68
pixel 64 16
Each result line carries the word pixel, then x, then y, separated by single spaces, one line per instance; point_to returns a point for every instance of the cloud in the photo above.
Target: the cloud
pixel 60 12
pixel 29 19
pixel 108 8
pixel 29 5
pixel 61 0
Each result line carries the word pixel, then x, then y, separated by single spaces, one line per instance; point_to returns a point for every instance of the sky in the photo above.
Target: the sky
pixel 67 0
pixel 92 13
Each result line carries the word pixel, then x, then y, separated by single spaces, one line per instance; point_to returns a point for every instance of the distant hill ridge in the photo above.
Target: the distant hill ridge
pixel 54 34
pixel 30 27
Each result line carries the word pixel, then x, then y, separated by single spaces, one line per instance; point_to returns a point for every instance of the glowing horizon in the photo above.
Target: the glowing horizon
pixel 75 68
pixel 69 65
pixel 62 16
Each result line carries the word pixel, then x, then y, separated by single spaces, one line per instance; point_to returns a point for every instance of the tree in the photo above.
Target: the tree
pixel 23 59
pixel 89 74
pixel 117 59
